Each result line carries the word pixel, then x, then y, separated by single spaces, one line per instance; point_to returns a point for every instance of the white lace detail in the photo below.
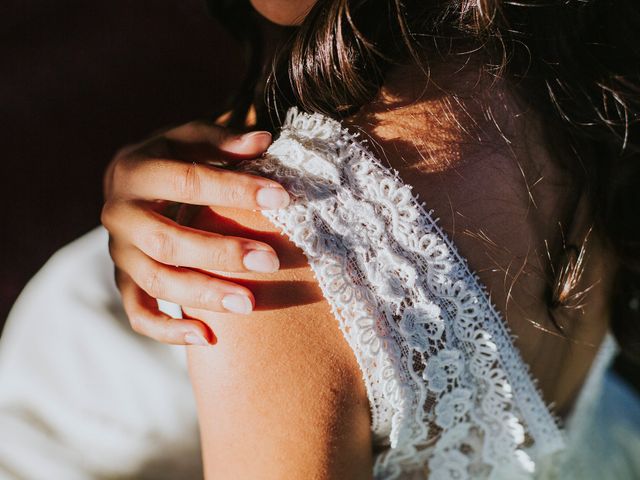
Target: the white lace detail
pixel 450 396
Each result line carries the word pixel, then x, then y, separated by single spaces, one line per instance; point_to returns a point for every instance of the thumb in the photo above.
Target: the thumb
pixel 248 145
pixel 198 136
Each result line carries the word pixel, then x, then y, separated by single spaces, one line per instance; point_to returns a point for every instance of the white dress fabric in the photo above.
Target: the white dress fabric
pixel 84 397
pixel 450 395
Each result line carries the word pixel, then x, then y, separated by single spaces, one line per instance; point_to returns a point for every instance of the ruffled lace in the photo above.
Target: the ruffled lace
pixel 450 395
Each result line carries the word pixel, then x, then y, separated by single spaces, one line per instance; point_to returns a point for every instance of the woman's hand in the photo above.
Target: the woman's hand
pixel 156 256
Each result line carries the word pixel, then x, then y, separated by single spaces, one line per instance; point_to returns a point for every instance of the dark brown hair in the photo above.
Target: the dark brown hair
pixel 575 61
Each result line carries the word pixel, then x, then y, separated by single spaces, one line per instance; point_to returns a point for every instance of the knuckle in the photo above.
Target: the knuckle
pixel 123 169
pixel 226 253
pixel 159 245
pixel 237 195
pixel 108 214
pixel 217 256
pixel 188 183
pixel 153 282
pixel 204 296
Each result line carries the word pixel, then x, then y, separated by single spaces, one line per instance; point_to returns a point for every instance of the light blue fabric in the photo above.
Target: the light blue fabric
pixel 607 444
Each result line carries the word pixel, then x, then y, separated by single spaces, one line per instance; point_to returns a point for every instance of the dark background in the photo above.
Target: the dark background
pixel 78 80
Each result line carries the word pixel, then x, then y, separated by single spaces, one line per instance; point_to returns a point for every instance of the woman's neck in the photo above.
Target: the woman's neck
pixel 273 38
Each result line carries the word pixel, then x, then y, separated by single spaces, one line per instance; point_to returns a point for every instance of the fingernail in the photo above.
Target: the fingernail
pixel 261 261
pixel 237 303
pixel 262 137
pixel 272 197
pixel 195 339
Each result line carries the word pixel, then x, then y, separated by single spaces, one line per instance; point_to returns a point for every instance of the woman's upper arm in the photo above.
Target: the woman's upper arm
pixel 280 395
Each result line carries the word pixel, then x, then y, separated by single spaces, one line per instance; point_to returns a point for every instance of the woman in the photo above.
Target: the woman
pixel 479 139
pixel 505 131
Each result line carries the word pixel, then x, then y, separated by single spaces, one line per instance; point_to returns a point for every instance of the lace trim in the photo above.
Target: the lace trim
pixel 450 395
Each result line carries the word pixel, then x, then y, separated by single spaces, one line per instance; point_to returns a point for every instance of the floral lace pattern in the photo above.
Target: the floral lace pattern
pixel 449 394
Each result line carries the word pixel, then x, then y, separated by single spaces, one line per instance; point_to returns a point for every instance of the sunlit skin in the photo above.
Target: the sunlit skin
pixel 280 394
pixel 498 204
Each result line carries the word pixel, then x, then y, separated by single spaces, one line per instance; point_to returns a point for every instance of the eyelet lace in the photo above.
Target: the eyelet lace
pixel 450 395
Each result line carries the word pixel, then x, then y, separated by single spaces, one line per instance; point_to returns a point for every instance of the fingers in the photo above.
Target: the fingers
pixel 197 184
pixel 182 285
pixel 146 319
pixel 154 171
pixel 248 145
pixel 171 244
pixel 178 166
pixel 251 144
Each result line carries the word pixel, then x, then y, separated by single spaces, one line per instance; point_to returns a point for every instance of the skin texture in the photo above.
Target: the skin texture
pixel 284 379
pixel 280 395
pixel 160 258
pixel 477 156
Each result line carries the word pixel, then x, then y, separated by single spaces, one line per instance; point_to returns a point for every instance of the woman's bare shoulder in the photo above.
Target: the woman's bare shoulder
pixel 280 395
pixel 474 155
pixel 478 157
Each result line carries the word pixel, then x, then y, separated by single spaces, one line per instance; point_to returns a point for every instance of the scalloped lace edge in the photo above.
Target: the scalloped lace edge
pixel 443 417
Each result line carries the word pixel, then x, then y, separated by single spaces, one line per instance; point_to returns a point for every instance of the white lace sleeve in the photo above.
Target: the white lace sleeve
pixel 450 396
